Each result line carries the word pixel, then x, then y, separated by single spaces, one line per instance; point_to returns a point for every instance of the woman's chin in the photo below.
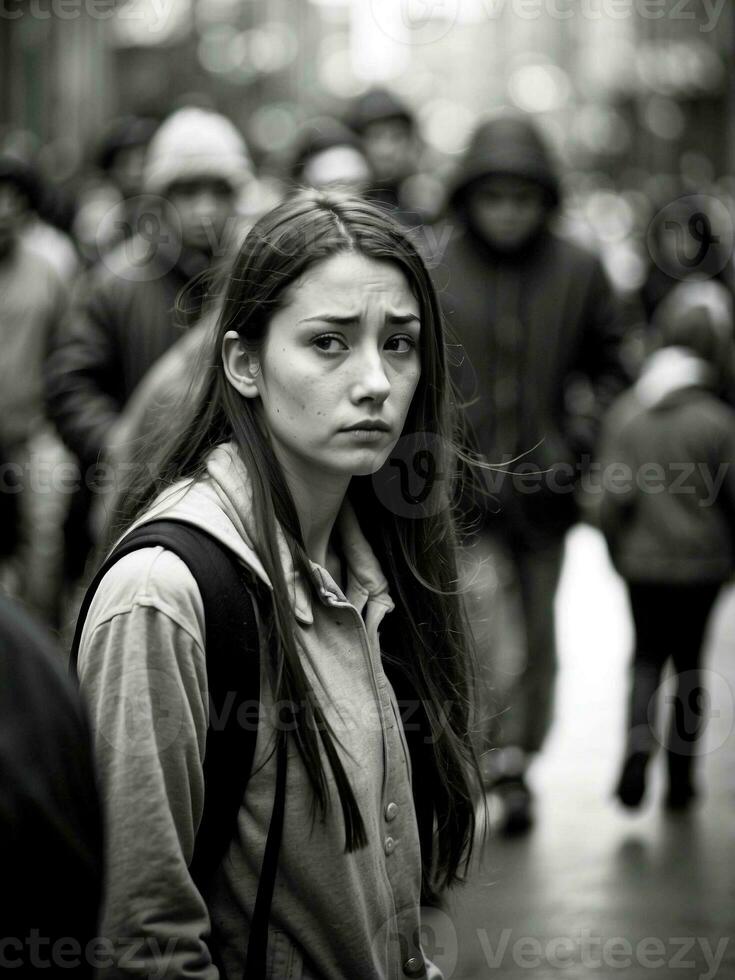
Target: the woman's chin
pixel 367 461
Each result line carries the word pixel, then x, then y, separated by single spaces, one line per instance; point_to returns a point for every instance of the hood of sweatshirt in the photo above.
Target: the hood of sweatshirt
pixel 669 372
pixel 507 145
pixel 221 503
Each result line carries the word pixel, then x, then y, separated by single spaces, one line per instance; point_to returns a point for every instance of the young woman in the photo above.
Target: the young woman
pixel 328 349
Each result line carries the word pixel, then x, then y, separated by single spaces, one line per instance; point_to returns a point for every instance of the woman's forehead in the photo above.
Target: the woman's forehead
pixel 351 279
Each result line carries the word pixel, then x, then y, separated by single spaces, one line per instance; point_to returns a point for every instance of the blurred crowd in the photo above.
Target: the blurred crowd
pixel 592 325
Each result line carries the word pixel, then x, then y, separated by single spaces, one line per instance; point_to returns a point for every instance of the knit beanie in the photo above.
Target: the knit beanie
pixel 195 143
pixel 377 105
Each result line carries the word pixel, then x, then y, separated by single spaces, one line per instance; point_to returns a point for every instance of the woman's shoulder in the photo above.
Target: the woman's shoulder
pixel 149 578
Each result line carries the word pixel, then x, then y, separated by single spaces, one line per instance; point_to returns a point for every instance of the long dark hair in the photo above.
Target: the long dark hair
pixel 426 639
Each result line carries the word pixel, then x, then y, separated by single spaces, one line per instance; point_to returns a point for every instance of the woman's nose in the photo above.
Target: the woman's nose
pixel 371 381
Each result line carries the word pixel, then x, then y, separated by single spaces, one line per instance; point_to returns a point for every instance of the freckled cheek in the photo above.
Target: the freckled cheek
pixel 405 388
pixel 298 398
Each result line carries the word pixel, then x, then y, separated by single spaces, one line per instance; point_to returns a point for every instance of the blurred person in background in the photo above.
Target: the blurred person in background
pixel 391 143
pixel 50 815
pixel 124 315
pixel 673 541
pixel 328 154
pixel 121 153
pixel 534 313
pixel 110 203
pixel 32 299
pixel 43 227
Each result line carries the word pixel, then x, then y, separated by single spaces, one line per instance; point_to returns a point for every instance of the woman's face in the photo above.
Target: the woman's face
pixel 339 366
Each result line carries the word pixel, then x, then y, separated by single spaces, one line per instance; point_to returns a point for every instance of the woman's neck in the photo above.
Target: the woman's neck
pixel 317 506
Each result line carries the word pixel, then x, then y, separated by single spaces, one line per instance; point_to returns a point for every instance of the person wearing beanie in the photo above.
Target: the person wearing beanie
pixel 538 323
pixel 386 128
pixel 132 306
pixel 670 524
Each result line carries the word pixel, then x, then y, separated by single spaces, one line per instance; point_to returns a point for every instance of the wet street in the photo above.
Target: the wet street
pixel 594 891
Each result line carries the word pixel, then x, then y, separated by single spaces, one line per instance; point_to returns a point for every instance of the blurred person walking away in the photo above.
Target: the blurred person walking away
pixel 539 322
pixel 32 299
pixel 673 539
pixel 124 315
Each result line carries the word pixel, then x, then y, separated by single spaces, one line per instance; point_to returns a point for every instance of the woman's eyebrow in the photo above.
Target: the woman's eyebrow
pixel 348 319
pixel 331 318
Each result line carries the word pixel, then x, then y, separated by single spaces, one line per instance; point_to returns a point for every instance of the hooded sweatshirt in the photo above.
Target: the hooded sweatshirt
pixel 668 475
pixel 530 323
pixel 142 669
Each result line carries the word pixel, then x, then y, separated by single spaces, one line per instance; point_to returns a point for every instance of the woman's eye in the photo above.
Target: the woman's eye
pixel 400 344
pixel 329 343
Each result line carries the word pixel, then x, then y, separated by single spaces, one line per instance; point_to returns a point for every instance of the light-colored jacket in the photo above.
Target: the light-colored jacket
pixel 142 670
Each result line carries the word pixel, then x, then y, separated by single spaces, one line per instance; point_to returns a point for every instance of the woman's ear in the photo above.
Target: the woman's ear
pixel 241 369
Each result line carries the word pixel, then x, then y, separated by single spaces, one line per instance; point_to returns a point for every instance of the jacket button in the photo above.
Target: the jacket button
pixel 389 845
pixel 413 967
pixel 391 811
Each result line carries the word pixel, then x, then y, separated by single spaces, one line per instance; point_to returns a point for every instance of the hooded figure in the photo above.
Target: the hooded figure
pixel 540 331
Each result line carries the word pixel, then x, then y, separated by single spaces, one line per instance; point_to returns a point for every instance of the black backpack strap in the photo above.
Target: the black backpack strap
pixel 234 704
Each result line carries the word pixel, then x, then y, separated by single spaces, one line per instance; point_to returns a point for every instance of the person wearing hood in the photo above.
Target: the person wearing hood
pixel 668 514
pixel 540 330
pixel 125 314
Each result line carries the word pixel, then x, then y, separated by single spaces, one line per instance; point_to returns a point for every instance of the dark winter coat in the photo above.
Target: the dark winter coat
pixel 540 332
pixel 50 817
pixel 534 332
pixel 668 487
pixel 122 320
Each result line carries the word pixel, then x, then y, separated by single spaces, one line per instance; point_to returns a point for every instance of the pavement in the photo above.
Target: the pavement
pixel 595 891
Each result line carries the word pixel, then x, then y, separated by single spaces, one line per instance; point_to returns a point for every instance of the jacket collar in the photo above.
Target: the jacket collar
pixel 221 504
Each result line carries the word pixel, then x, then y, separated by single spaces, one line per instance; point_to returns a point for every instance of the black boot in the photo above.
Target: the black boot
pixel 632 783
pixel 517 803
pixel 681 791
